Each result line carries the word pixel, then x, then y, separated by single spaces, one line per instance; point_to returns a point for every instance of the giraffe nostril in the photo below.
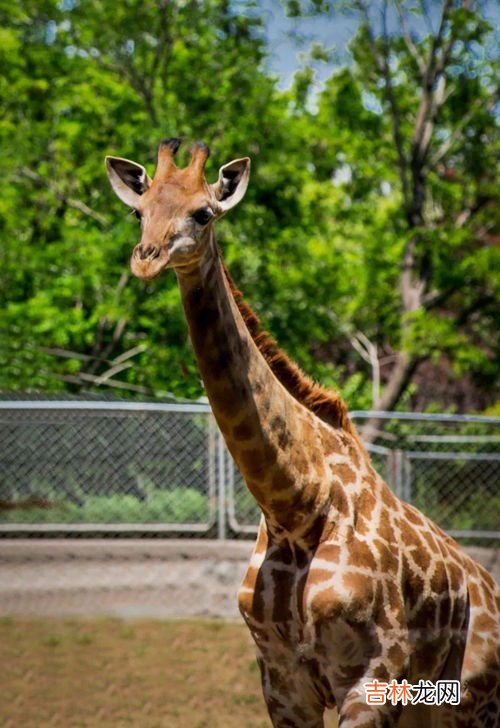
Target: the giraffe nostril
pixel 146 252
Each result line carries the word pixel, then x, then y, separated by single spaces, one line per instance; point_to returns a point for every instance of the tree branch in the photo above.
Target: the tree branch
pixel 412 48
pixel 84 378
pixel 65 199
pixel 382 62
pixel 399 378
pixel 368 351
pixel 455 135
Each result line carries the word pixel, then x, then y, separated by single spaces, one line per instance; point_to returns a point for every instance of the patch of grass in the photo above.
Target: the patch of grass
pixel 51 640
pixel 94 673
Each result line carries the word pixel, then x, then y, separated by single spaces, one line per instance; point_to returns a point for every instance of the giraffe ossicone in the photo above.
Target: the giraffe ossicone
pixel 347 585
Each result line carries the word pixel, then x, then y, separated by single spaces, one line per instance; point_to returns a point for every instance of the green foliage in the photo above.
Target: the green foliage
pixel 178 505
pixel 317 243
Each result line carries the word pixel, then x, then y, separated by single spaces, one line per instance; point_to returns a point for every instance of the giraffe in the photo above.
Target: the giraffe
pixel 347 584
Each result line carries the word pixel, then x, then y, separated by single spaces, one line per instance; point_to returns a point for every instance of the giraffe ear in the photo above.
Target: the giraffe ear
pixel 232 183
pixel 128 179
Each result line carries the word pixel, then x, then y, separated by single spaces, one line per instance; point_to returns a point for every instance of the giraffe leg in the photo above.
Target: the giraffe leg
pixel 292 701
pixel 356 713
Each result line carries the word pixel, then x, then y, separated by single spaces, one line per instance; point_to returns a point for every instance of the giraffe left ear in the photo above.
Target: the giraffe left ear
pixel 128 179
pixel 232 183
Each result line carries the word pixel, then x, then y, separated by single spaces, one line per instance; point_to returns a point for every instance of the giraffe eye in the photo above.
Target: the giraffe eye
pixel 203 215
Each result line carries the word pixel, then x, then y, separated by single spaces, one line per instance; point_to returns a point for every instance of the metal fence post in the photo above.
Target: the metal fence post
pixel 407 489
pixel 221 488
pixel 395 458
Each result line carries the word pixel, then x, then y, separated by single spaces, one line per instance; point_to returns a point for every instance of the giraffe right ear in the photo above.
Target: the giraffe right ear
pixel 232 183
pixel 128 179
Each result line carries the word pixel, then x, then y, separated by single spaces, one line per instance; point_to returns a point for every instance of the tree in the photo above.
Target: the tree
pixel 85 79
pixel 419 133
pixel 341 194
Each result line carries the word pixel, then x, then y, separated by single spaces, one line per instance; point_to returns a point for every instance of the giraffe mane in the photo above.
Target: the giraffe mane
pixel 326 404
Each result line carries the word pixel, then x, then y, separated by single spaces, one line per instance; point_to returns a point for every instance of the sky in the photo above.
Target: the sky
pixel 288 37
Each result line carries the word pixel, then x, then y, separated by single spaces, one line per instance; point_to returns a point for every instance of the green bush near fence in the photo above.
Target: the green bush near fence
pixel 187 505
pixel 179 505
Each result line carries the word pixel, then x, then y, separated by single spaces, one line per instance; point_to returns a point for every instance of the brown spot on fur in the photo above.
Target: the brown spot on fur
pixel 316 576
pixel 413 584
pixel 329 551
pixel 228 405
pixel 424 618
pixel 381 673
pixel 413 515
pixel 388 559
pixel 361 587
pixel 444 610
pixel 340 502
pixel 360 554
pixel 475 594
pixel 455 575
pixel 345 473
pixel 284 587
pixel 326 605
pixel 383 620
pixel 366 503
pixel 277 424
pixel 281 555
pixel 489 598
pixel 253 463
pixel 429 539
pixel 393 596
pixel 412 540
pixel 243 431
pixel 458 614
pixel 354 455
pixel 284 439
pixel 302 558
pixel 439 579
pixel 319 528
pixel 485 623
pixel 396 655
pixel 280 481
pixel 300 463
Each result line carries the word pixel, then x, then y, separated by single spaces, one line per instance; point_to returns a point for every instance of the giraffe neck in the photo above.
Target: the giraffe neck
pixel 275 441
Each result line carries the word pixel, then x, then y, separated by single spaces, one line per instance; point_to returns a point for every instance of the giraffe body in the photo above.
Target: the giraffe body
pixel 347 584
pixel 353 605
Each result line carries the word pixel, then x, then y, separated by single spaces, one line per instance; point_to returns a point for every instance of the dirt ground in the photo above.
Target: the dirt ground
pixel 109 673
pixel 131 578
pixel 64 665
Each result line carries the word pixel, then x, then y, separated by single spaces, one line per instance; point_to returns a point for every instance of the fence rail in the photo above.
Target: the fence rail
pixel 141 467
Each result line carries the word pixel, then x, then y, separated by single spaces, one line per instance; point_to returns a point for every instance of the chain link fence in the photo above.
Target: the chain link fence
pixel 127 467
pixel 448 466
pixel 73 469
pixel 75 466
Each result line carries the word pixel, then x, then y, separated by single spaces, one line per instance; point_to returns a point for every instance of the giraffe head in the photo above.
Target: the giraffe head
pixel 177 208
